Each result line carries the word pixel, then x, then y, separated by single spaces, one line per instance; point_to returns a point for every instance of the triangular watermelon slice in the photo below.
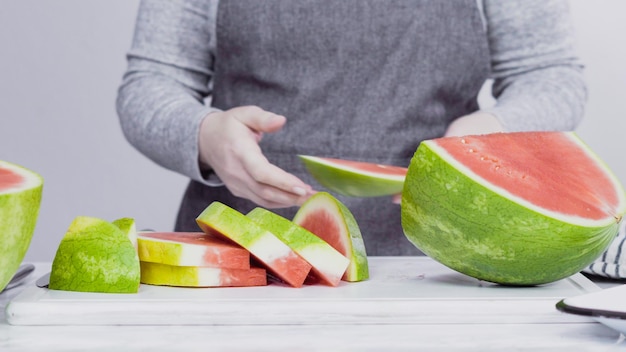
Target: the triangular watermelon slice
pixel 20 198
pixel 329 219
pixel 520 208
pixel 355 178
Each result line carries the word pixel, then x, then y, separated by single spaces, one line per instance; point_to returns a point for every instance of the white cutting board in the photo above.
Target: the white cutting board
pixel 401 290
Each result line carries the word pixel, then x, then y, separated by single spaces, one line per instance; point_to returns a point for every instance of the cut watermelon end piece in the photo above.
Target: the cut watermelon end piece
pixel 95 256
pixel 268 249
pixel 329 219
pixel 327 263
pixel 191 249
pixel 190 276
pixel 20 199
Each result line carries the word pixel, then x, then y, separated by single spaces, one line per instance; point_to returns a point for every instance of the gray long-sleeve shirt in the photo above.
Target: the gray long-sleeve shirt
pixel 537 76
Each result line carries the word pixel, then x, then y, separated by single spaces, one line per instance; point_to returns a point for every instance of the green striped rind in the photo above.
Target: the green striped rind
pixel 231 223
pixel 349 182
pixel 358 270
pixel 19 211
pixel 157 251
pixel 471 229
pixel 95 256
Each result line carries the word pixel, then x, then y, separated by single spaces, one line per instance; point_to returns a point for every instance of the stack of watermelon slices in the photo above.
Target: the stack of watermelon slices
pixel 234 249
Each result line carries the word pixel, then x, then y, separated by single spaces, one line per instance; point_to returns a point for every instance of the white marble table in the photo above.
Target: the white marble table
pixel 550 331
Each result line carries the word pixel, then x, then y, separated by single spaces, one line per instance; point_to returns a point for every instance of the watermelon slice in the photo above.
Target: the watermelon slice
pixel 329 219
pixel 191 249
pixel 20 198
pixel 328 265
pixel 193 276
pixel 513 208
pixel 355 178
pixel 222 220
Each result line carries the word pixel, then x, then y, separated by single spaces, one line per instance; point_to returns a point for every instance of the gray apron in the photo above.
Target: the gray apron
pixel 357 79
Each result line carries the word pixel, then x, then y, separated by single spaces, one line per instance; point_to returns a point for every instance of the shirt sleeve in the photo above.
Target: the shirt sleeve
pixel 161 101
pixel 537 76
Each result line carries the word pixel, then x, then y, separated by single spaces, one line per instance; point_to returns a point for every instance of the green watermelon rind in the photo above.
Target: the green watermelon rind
pixel 350 181
pixel 19 211
pixel 95 256
pixel 450 222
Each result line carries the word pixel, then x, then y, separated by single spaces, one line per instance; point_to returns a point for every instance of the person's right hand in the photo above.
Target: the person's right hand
pixel 229 144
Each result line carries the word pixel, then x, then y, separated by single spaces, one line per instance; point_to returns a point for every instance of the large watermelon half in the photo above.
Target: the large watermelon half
pixel 522 208
pixel 20 197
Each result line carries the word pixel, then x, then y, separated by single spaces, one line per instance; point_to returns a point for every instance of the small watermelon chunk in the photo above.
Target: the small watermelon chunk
pixel 355 178
pixel 191 249
pixel 328 265
pixel 330 220
pixel 193 276
pixel 522 208
pixel 221 220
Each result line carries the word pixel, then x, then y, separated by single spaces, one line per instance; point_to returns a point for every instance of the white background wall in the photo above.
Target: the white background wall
pixel 61 62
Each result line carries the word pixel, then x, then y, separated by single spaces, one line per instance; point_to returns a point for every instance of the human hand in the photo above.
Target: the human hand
pixel 475 123
pixel 229 144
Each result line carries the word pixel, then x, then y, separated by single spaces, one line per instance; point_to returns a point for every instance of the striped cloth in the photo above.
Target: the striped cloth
pixel 612 263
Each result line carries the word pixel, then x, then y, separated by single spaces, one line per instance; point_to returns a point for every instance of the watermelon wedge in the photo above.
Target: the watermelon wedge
pixel 328 265
pixel 221 220
pixel 522 208
pixel 355 178
pixel 20 198
pixel 191 249
pixel 329 219
pixel 193 276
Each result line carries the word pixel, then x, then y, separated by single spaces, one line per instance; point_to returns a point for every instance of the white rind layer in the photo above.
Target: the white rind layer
pixel 574 220
pixel 329 262
pixel 268 248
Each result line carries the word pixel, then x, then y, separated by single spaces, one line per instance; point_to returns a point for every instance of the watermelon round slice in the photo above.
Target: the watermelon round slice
pixel 329 219
pixel 522 208
pixel 355 178
pixel 20 199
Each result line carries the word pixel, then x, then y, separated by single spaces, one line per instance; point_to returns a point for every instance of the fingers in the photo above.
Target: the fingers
pixel 273 187
pixel 259 120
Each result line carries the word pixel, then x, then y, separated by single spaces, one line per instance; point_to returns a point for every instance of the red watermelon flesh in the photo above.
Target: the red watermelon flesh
pixel 566 175
pixel 322 222
pixel 10 179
